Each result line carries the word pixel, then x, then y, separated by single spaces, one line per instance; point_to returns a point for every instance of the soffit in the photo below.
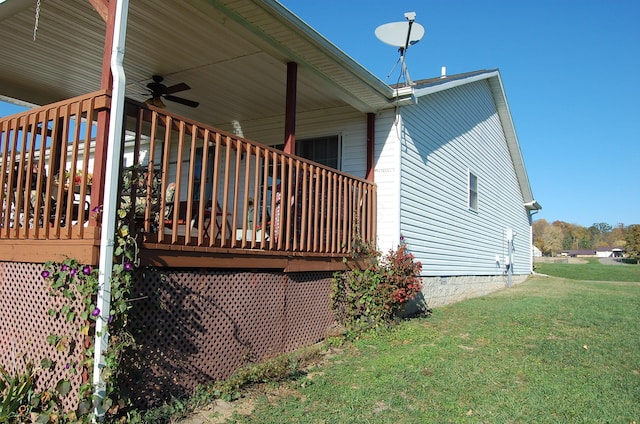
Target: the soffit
pixel 233 55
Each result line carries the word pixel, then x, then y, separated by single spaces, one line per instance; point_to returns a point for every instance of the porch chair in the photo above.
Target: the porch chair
pixel 167 213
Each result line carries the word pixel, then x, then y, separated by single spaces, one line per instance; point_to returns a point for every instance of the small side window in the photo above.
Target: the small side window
pixel 473 191
pixel 324 150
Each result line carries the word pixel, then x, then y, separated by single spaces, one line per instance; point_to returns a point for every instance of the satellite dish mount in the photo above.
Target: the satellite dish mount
pixel 401 35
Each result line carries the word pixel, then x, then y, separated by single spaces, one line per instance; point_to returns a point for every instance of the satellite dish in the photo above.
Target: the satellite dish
pixel 395 33
pixel 401 35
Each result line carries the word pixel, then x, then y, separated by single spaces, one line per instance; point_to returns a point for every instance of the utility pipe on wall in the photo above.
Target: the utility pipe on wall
pixel 110 206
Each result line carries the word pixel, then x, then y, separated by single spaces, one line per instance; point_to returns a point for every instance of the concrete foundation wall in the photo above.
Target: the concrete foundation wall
pixel 440 291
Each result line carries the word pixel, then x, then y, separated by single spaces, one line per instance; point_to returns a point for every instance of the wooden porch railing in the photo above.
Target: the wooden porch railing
pixel 46 164
pixel 232 193
pixel 187 186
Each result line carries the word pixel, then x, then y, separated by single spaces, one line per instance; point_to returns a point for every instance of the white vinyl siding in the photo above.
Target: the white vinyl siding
pixel 445 135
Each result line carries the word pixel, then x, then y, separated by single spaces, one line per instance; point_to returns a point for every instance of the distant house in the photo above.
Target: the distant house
pixel 609 252
pixel 536 252
pixel 579 253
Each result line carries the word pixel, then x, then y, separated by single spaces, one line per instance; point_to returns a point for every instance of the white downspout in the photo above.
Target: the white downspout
pixel 110 206
pixel 398 182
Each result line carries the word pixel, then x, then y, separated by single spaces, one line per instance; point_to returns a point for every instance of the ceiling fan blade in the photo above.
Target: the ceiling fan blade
pixel 176 88
pixel 182 101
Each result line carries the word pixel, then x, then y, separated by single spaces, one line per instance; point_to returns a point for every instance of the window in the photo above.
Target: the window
pixel 324 150
pixel 473 191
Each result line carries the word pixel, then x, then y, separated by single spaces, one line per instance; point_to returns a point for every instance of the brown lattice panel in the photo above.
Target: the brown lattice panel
pixel 25 325
pixel 193 326
pixel 197 326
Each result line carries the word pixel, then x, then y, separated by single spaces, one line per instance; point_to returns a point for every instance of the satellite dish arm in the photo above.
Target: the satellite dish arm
pixel 411 17
pixel 406 44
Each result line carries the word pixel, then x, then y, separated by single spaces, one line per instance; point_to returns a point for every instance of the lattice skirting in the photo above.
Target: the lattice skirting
pixel 197 326
pixel 25 326
pixel 192 326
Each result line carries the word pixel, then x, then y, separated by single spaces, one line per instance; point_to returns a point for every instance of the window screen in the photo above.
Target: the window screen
pixel 324 150
pixel 473 191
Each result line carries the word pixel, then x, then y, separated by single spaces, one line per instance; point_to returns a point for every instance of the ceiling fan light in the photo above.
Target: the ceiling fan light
pixel 156 101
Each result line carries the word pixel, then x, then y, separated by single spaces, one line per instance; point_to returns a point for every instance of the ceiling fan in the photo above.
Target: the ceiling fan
pixel 159 91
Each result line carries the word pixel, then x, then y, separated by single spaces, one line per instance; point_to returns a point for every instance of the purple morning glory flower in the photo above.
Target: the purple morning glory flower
pixel 45 274
pixel 110 320
pixel 128 266
pixel 95 312
pixel 67 366
pixel 65 267
pixel 86 270
pixel 95 209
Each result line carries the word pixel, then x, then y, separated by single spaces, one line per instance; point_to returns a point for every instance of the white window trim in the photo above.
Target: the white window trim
pixel 470 205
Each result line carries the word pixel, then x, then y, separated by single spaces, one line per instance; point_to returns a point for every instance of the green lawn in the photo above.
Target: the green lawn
pixel 550 350
pixel 593 271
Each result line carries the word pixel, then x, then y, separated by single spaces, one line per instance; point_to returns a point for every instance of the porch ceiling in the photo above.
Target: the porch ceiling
pixel 233 54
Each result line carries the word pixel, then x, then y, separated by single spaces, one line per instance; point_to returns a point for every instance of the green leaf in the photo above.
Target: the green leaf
pixel 46 363
pixel 70 316
pixel 59 282
pixel 52 339
pixel 106 404
pixel 63 387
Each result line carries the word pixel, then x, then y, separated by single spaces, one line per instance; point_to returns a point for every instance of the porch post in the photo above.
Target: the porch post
pixel 106 82
pixel 290 109
pixel 371 130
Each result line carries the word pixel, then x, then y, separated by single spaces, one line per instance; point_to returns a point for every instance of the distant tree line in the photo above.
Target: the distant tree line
pixel 559 236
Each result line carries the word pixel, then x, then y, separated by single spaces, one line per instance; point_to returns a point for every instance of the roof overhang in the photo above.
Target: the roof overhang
pixel 233 54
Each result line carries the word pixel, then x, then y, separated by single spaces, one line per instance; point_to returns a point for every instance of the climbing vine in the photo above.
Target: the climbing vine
pixel 78 284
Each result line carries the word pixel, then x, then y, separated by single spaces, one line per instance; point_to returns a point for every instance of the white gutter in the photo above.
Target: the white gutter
pixel 110 206
pixel 533 206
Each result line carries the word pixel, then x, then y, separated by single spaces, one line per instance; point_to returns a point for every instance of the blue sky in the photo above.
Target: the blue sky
pixel 570 73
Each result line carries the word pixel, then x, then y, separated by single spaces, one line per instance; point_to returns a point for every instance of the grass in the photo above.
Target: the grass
pixel 593 270
pixel 551 350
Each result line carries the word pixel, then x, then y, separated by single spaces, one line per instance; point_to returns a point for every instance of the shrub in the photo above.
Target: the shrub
pixel 20 402
pixel 372 297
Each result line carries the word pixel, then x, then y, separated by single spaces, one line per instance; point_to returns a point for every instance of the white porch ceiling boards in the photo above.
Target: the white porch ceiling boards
pixel 233 54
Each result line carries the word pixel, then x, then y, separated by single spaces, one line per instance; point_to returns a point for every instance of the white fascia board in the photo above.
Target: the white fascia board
pixel 500 98
pixel 404 96
pixel 447 84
